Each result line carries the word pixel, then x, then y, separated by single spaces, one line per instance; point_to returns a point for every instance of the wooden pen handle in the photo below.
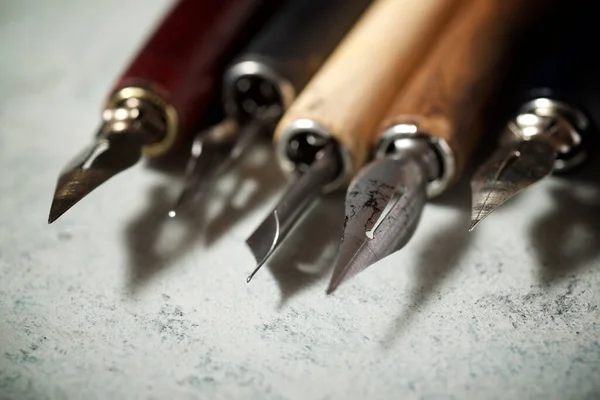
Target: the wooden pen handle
pixel 355 87
pixel 446 96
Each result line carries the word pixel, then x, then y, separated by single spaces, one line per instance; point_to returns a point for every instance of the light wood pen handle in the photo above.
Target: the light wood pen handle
pixel 351 93
pixel 444 99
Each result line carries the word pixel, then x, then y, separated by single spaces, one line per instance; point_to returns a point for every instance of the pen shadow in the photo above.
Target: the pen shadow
pixel 567 238
pixel 308 253
pixel 436 262
pixel 154 241
pixel 440 261
pixel 149 244
pixel 254 180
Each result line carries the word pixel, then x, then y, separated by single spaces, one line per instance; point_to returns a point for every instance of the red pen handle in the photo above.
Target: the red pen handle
pixel 179 68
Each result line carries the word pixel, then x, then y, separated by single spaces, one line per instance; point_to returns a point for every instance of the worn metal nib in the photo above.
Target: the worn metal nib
pixel 507 172
pixel 102 160
pixel 383 207
pixel 300 194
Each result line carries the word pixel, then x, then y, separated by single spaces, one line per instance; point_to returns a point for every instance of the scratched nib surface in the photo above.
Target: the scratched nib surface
pixel 383 207
pixel 507 172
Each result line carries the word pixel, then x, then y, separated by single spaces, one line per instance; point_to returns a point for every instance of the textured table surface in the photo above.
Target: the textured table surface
pixel 113 301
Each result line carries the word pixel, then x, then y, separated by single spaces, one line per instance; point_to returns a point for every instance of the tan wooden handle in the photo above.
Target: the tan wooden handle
pixel 445 97
pixel 356 86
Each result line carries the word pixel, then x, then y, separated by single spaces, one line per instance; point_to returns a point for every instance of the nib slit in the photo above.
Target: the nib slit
pixel 388 196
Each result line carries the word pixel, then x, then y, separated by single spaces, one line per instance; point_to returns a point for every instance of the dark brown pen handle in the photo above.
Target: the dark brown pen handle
pixel 446 96
pixel 183 60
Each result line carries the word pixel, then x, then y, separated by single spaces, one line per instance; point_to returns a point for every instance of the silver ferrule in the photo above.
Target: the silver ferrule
pixel 555 122
pixel 320 137
pixel 254 69
pixel 441 172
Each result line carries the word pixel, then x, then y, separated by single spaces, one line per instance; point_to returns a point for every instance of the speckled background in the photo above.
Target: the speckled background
pixel 113 301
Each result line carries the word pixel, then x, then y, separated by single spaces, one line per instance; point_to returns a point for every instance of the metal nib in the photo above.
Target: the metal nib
pixel 383 207
pixel 106 157
pixel 208 151
pixel 299 195
pixel 213 154
pixel 507 172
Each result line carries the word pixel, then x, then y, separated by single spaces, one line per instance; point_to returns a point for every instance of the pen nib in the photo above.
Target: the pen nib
pixel 383 207
pixel 507 172
pixel 262 249
pixel 102 160
pixel 208 151
pixel 299 195
pixel 213 154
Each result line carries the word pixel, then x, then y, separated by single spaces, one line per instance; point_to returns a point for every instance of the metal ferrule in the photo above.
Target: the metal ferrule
pixel 135 109
pixel 302 127
pixel 558 123
pixel 441 176
pixel 254 68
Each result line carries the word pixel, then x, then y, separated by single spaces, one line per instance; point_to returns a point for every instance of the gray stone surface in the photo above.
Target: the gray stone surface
pixel 111 301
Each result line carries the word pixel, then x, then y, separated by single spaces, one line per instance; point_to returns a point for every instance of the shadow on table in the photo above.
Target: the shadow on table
pixel 255 180
pixel 441 255
pixel 308 253
pixel 155 241
pixel 567 237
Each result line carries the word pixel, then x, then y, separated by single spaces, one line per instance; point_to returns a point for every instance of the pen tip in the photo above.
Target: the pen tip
pixel 97 163
pixel 57 209
pixel 473 224
pixel 63 200
pixel 249 278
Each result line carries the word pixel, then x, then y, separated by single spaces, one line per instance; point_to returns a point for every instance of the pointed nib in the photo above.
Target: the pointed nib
pixel 91 168
pixel 259 266
pixel 298 197
pixel 383 207
pixel 58 208
pixel 474 223
pixel 186 198
pixel 213 154
pixel 198 172
pixel 356 255
pixel 344 270
pixel 507 172
pixel 264 241
pixel 330 289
